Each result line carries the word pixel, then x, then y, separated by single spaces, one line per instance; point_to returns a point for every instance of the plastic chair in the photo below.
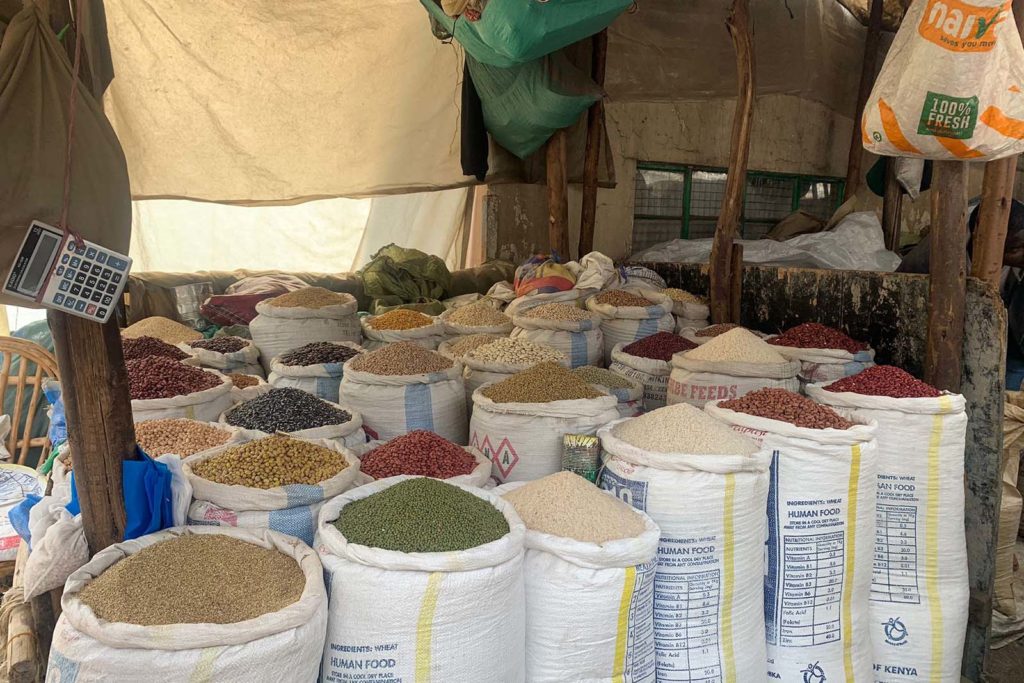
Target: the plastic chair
pixel 46 366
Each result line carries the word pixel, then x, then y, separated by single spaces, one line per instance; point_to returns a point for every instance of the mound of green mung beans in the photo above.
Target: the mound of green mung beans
pixel 421 516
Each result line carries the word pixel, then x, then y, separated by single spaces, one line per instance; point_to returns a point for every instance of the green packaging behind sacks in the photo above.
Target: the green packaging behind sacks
pixel 511 32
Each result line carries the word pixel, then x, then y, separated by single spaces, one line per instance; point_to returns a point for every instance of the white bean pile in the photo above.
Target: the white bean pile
pixel 682 428
pixel 515 352
pixel 738 345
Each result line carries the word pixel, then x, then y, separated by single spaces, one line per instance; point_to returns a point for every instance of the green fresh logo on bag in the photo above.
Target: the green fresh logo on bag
pixel 948 117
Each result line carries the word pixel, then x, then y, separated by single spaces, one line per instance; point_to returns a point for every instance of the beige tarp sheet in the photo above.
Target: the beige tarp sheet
pixel 35 81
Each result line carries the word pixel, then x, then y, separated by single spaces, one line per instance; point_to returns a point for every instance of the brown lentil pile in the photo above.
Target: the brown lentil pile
pixel 401 358
pixel 162 328
pixel 195 579
pixel 557 311
pixel 181 436
pixel 885 380
pixel 715 330
pixel 142 347
pixel 620 297
pixel 780 404
pixel 480 314
pixel 160 377
pixel 318 353
pixel 420 453
pixel 463 345
pixel 311 297
pixel 241 380
pixel 271 462
pixel 682 296
pixel 400 319
pixel 817 336
pixel 605 378
pixel 543 383
pixel 221 344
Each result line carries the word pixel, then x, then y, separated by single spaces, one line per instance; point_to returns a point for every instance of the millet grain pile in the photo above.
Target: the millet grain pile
pixel 480 314
pixel 738 346
pixel 401 358
pixel 162 328
pixel 682 428
pixel 542 383
pixel 310 297
pixel 556 311
pixel 619 297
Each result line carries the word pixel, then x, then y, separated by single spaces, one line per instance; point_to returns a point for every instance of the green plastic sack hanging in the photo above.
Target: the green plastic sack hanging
pixel 524 105
pixel 511 32
pixel 396 275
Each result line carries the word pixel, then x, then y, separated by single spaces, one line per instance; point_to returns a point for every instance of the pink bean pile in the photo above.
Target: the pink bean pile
pixel 419 453
pixel 817 336
pixel 885 380
pixel 780 404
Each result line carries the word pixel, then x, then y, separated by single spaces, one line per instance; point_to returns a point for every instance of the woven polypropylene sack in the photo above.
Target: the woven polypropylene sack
pixel 821 537
pixel 708 607
pixel 524 440
pixel 627 324
pixel 446 616
pixel 479 372
pixel 348 434
pixel 456 330
pixel 323 380
pixel 279 329
pixel 651 373
pixel 598 597
pixel 290 509
pixel 428 336
pixel 392 405
pixel 246 360
pixel 286 645
pixel 205 406
pixel 698 381
pixel 950 85
pixel 919 590
pixel 581 341
pixel 818 366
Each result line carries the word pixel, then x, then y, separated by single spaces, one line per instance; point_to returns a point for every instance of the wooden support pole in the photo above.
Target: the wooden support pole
pixel 558 195
pixel 592 156
pixel 736 293
pixel 867 80
pixel 989 239
pixel 720 271
pixel 892 207
pixel 948 276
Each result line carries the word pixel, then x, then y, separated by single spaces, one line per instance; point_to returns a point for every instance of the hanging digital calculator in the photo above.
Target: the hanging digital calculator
pixel 74 276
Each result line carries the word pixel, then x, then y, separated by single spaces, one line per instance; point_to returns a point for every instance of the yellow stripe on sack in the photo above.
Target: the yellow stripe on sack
pixel 851 560
pixel 190 412
pixel 425 627
pixel 931 535
pixel 728 559
pixel 622 635
pixel 203 673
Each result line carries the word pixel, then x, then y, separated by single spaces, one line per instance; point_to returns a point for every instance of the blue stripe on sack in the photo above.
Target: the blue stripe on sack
pixel 586 324
pixel 863 357
pixel 328 388
pixel 419 408
pixel 303 494
pixel 655 312
pixel 334 369
pixel 578 352
pixel 771 579
pixel 646 328
pixel 67 668
pixel 297 522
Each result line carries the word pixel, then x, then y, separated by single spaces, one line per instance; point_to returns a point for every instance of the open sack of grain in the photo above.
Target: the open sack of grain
pixel 589 573
pixel 628 392
pixel 710 563
pixel 519 422
pixel 825 353
pixel 403 387
pixel 402 325
pixel 274 482
pixel 628 316
pixel 425 454
pixel 245 387
pixel 164 388
pixel 426 577
pixel 503 358
pixel 920 586
pixel 316 368
pixel 240 605
pixel 730 365
pixel 649 361
pixel 226 354
pixel 690 311
pixel 297 413
pixel 300 317
pixel 568 328
pixel 479 317
pixel 821 514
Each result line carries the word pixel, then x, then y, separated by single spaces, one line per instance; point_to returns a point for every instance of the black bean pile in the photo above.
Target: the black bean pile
pixel 143 347
pixel 318 353
pixel 285 410
pixel 161 377
pixel 221 344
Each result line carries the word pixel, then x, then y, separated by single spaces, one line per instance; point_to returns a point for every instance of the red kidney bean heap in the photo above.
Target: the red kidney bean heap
pixel 221 344
pixel 885 380
pixel 421 453
pixel 659 346
pixel 143 347
pixel 780 404
pixel 817 336
pixel 161 377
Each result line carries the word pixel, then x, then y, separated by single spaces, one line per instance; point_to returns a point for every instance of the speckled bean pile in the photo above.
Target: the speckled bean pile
pixel 515 352
pixel 783 405
pixel 142 347
pixel 557 311
pixel 401 358
pixel 221 344
pixel 285 410
pixel 271 462
pixel 160 377
pixel 543 383
pixel 318 353
pixel 181 436
pixel 659 346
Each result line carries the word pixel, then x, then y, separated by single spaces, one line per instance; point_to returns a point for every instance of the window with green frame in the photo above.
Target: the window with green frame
pixel 675 201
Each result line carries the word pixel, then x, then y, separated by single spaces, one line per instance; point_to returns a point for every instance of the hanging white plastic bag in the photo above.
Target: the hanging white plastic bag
pixel 181 488
pixel 285 645
pixel 708 606
pixel 950 85
pixel 821 537
pixel 204 406
pixel 919 590
pixel 452 616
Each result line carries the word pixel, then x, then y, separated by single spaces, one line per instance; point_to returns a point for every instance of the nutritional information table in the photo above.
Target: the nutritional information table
pixel 895 565
pixel 812 589
pixel 686 626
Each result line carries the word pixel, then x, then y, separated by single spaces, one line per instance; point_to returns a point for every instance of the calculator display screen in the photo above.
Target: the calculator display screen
pixel 40 260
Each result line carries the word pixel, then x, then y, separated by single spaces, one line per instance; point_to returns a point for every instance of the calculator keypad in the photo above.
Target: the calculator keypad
pixel 88 278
